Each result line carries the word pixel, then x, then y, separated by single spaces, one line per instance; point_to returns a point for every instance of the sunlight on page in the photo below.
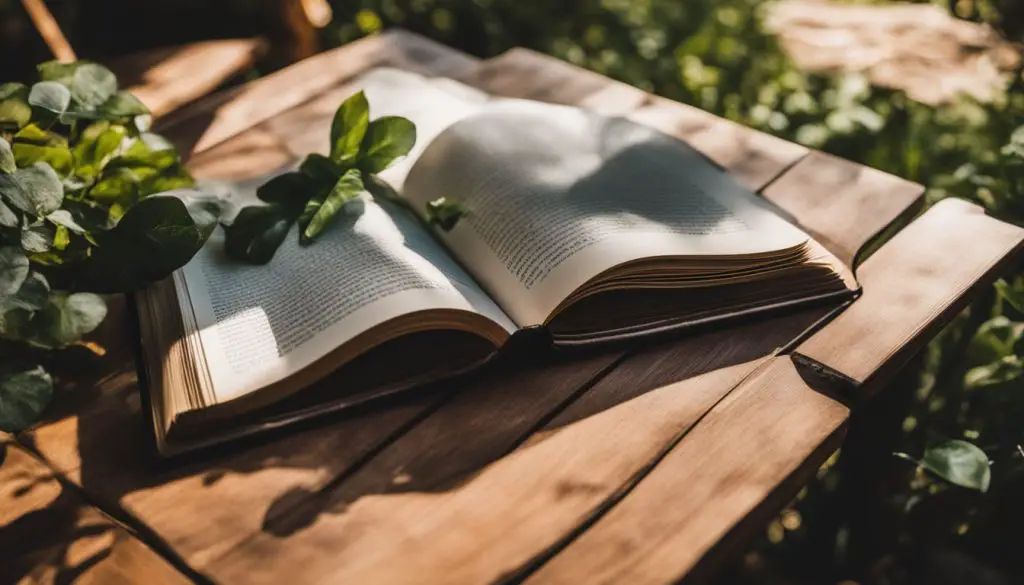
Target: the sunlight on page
pixel 557 195
pixel 259 324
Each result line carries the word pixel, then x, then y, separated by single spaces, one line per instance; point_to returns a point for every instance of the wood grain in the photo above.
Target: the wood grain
pixel 50 536
pixel 771 428
pixel 912 286
pixel 168 78
pixel 522 73
pixel 98 437
pixel 753 451
pixel 219 117
pixel 842 204
pixel 478 425
pixel 477 480
pixel 491 524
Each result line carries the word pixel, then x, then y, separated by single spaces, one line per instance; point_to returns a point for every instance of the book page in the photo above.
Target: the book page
pixel 260 324
pixel 557 195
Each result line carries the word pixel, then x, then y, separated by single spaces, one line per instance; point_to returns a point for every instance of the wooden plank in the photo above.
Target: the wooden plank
pixel 49 536
pixel 523 73
pixel 219 117
pixel 487 527
pixel 168 78
pixel 100 439
pixel 464 441
pixel 248 496
pixel 917 282
pixel 753 451
pixel 771 429
pixel 843 204
pixel 435 455
pixel 98 433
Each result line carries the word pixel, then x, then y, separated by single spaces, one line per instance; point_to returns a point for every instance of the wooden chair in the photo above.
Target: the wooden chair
pixel 166 79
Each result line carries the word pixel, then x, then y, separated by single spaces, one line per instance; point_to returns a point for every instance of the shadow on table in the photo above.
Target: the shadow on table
pixel 432 442
pixel 43 535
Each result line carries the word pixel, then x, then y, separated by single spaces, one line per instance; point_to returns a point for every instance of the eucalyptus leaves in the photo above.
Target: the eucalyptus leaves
pixel 315 194
pixel 80 211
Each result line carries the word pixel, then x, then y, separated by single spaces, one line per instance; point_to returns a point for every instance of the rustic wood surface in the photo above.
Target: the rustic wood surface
pixel 169 78
pixel 521 472
pixel 752 453
pixel 48 535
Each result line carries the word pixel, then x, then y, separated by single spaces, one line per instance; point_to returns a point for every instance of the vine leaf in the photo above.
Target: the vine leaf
pixel 349 127
pixel 7 164
pixel 24 395
pixel 387 139
pixel 348 187
pixel 156 236
pixel 13 270
pixel 35 190
pixel 92 85
pixel 958 462
pixel 32 296
pixel 50 96
pixel 444 214
pixel 257 232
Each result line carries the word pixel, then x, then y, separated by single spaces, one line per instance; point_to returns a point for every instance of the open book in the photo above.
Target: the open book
pixel 587 227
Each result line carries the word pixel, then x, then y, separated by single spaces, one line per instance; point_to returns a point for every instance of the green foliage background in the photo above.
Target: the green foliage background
pixel 962 403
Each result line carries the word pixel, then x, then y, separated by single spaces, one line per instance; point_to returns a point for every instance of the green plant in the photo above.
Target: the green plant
pixel 314 194
pixel 83 210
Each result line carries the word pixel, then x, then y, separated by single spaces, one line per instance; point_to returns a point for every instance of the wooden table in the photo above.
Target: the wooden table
pixel 644 465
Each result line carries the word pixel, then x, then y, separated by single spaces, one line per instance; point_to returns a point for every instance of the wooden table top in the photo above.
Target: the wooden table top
pixel 642 465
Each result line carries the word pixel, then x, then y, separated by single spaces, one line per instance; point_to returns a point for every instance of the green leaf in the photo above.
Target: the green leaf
pixel 41 191
pixel 61 238
pixel 98 143
pixel 38 238
pixel 348 187
pixel 50 96
pixel 7 164
pixel 23 397
pixel 32 296
pixel 13 271
pixel 1013 296
pixel 118 185
pixel 58 71
pixel 8 218
pixel 1006 373
pixel 63 218
pixel 92 85
pixel 386 140
pixel 92 216
pixel 14 108
pixel 444 214
pixel 138 155
pixel 167 180
pixel 32 144
pixel 995 338
pixel 156 236
pixel 257 232
pixel 959 463
pixel 290 188
pixel 349 127
pixel 13 90
pixel 123 105
pixel 321 170
pixel 66 318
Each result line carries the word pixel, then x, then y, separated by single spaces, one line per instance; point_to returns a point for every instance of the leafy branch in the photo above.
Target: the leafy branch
pixel 84 209
pixel 313 195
